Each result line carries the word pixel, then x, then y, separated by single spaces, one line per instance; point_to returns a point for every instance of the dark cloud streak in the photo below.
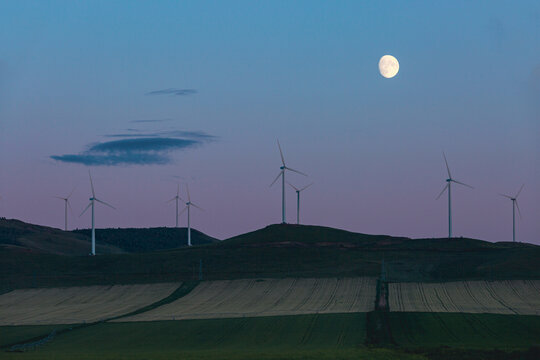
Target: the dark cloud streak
pixel 140 150
pixel 173 91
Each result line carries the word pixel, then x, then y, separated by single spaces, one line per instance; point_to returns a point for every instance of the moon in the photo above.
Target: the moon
pixel 388 66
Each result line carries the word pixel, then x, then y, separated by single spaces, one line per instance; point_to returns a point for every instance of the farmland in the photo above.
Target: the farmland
pixel 268 297
pixel 499 297
pixel 77 304
pixel 465 331
pixel 318 336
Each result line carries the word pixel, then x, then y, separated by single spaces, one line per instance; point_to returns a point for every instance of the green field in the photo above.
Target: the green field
pixel 465 331
pixel 15 334
pixel 328 336
pixel 337 336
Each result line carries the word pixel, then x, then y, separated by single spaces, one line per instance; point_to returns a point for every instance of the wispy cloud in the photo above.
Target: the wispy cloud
pixel 169 133
pixel 173 91
pixel 155 149
pixel 150 121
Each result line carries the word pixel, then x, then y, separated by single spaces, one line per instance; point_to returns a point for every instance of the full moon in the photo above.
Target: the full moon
pixel 388 66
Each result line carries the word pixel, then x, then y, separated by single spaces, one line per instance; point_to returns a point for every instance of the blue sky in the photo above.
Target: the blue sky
pixel 74 73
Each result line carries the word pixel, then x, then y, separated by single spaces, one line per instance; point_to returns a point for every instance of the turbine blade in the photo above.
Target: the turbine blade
pixel 104 203
pixel 281 153
pixel 296 171
pixel 447 167
pixel 69 206
pixel 178 191
pixel 460 183
pixel 506 196
pixel 168 201
pixel 188 196
pixel 305 187
pixel 277 177
pixel 86 208
pixel 181 212
pixel 519 211
pixel 198 207
pixel 91 184
pixel 71 193
pixel 442 192
pixel 521 188
pixel 59 197
pixel 294 187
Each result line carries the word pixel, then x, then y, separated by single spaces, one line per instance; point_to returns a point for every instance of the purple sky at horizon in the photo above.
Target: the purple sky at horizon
pixel 232 77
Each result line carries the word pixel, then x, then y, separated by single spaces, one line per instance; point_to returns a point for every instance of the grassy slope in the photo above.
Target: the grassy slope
pixel 282 251
pixel 15 334
pixel 465 331
pixel 43 239
pixel 328 336
pixel 338 336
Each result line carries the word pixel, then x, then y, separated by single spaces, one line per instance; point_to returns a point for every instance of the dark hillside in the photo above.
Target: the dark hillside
pixel 42 239
pixel 148 239
pixel 282 251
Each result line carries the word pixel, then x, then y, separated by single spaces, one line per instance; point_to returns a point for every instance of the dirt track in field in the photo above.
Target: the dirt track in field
pixel 77 304
pixel 497 297
pixel 268 297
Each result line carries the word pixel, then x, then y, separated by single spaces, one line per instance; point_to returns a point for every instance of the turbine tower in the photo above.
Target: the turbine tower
pixel 177 197
pixel 66 204
pixel 514 206
pixel 189 204
pixel 93 199
pixel 448 187
pixel 298 199
pixel 282 168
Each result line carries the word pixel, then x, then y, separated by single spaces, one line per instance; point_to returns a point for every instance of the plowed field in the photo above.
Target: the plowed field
pixel 497 297
pixel 77 304
pixel 270 297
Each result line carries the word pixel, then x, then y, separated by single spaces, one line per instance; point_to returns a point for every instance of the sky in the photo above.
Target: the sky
pixel 147 95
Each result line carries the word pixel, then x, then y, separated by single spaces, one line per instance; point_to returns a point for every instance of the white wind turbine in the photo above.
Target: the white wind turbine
pixel 514 206
pixel 298 199
pixel 66 204
pixel 177 197
pixel 448 187
pixel 189 204
pixel 91 204
pixel 283 167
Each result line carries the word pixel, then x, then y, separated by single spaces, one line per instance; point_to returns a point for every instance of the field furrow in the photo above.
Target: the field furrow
pixel 77 304
pixel 497 297
pixel 268 297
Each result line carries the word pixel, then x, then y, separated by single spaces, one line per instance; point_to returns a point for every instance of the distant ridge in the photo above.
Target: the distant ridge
pixel 138 240
pixel 276 251
pixel 18 235
pixel 22 236
pixel 292 235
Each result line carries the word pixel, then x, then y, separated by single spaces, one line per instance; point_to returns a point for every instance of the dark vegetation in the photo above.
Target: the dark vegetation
pixel 46 240
pixel 279 251
pixel 148 239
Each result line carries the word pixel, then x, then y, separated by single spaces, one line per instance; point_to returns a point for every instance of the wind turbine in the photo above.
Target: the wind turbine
pixel 177 197
pixel 282 168
pixel 91 204
pixel 66 204
pixel 189 204
pixel 298 199
pixel 448 186
pixel 514 206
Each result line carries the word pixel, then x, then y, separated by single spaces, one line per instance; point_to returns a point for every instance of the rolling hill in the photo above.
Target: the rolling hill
pixel 278 251
pixel 22 236
pixel 148 239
